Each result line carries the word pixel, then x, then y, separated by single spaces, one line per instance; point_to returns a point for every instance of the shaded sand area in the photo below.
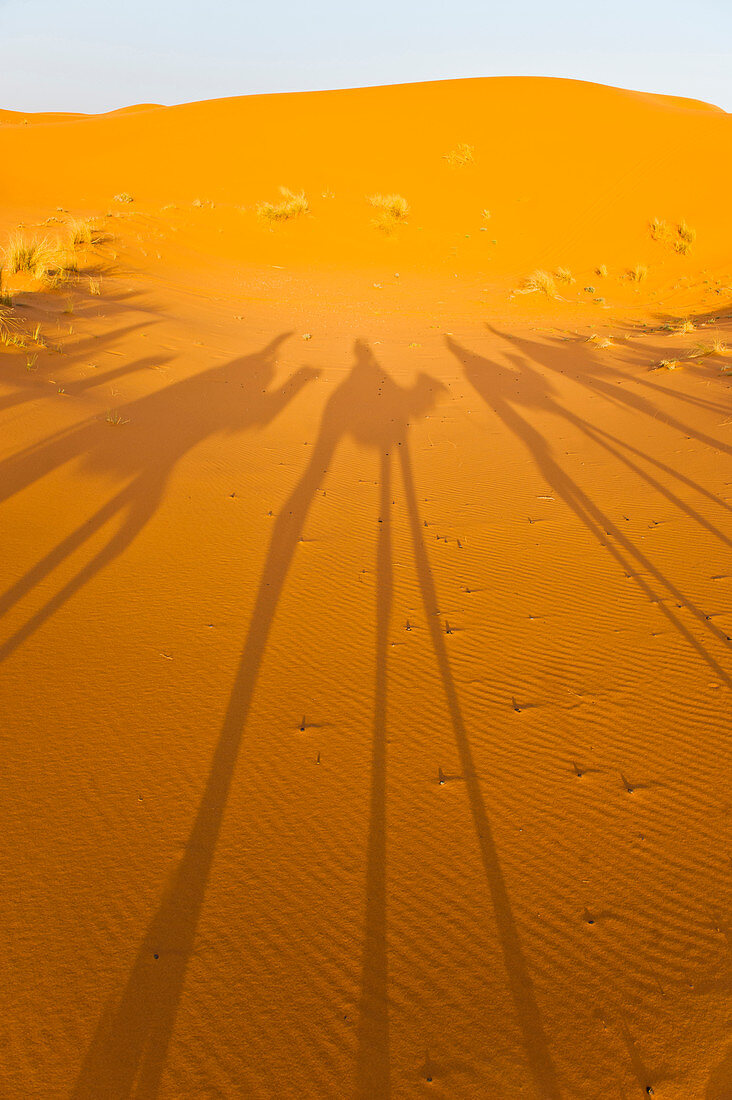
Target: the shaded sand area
pixel 366 612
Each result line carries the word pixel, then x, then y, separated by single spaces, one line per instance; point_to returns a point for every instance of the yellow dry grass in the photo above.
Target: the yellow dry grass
pixel 460 156
pixel 392 210
pixel 292 205
pixel 541 282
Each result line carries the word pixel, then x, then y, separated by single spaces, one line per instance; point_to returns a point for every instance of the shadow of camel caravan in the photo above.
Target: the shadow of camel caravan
pixel 128 1054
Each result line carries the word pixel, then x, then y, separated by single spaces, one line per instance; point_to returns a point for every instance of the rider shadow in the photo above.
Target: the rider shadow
pixel 163 427
pixel 603 379
pixel 508 389
pixel 128 1053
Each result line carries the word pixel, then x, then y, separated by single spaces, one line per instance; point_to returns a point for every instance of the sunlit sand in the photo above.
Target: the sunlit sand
pixel 366 662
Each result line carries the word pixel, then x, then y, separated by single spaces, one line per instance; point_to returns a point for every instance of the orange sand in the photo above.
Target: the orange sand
pixel 366 687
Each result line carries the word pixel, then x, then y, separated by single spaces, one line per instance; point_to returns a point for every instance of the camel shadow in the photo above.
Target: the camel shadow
pixel 128 1052
pixel 160 429
pixel 512 392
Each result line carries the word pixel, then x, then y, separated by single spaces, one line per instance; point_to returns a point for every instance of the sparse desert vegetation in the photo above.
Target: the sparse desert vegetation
pixel 6 298
pixel 539 282
pixel 601 342
pixel 658 229
pixel 460 156
pixel 291 205
pixel 8 325
pixel 679 237
pixel 666 364
pixel 637 274
pixel 702 350
pixel 685 238
pixel 564 275
pixel 44 259
pixel 85 231
pixel 51 259
pixel 392 210
pixel 27 256
pixel 123 197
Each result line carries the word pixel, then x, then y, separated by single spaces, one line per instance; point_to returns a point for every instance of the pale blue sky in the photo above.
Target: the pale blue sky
pixel 93 56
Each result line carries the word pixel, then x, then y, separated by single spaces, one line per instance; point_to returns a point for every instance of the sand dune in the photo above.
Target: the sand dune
pixel 366 656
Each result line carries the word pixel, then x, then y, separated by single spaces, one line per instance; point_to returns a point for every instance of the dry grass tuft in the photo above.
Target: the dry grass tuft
pixel 5 297
pixel 460 156
pixel 601 341
pixel 84 231
pixel 541 282
pixel 95 286
pixel 702 351
pixel 291 206
pixel 564 275
pixel 44 259
pixel 685 239
pixel 392 210
pixel 659 229
pixel 638 273
pixel 601 271
pixel 680 237
pixel 8 326
pixel 686 327
pixel 115 418
pixel 123 197
pixel 27 256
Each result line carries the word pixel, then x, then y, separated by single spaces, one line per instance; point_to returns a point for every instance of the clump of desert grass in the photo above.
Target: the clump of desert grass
pixel 123 197
pixel 95 286
pixel 8 326
pixel 42 258
pixel 539 282
pixel 637 274
pixel 391 211
pixel 666 364
pixel 564 275
pixel 601 271
pixel 658 229
pixel 115 418
pixel 25 255
pixel 6 298
pixel 601 341
pixel 686 327
pixel 460 156
pixel 52 260
pixel 85 231
pixel 292 205
pixel 679 237
pixel 685 238
pixel 702 351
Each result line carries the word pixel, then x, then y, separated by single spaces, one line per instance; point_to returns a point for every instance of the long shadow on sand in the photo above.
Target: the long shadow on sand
pixel 128 1053
pixel 163 427
pixel 511 390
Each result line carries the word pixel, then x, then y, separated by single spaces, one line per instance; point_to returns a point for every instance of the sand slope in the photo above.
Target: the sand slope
pixel 366 655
